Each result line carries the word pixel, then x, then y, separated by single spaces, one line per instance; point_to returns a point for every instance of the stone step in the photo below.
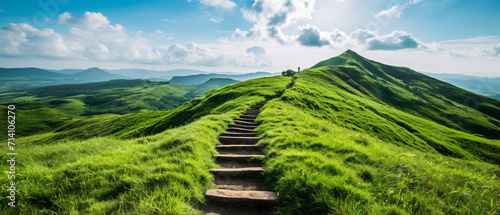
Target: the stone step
pixel 238 140
pixel 237 157
pixel 259 105
pixel 228 163
pixel 239 134
pixel 232 183
pixel 236 129
pixel 252 111
pixel 242 196
pixel 249 116
pixel 237 171
pixel 240 150
pixel 244 122
pixel 239 147
pixel 252 120
pixel 241 126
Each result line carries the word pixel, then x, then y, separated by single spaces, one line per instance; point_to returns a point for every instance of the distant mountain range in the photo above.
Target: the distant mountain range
pixel 202 78
pixel 481 85
pixel 110 96
pixel 15 79
pixel 26 78
pixel 158 75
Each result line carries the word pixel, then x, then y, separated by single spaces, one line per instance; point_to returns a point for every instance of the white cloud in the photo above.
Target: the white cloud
pixel 2 11
pixel 170 20
pixel 256 50
pixel 216 20
pixel 396 10
pixel 311 36
pixel 271 16
pixel 97 39
pixel 493 50
pixel 195 54
pixel 393 41
pixel 471 47
pixel 89 21
pixel 25 40
pixel 157 35
pixel 92 37
pixel 221 4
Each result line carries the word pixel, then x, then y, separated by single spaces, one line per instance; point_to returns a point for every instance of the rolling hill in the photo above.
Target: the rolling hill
pixel 201 78
pixel 152 74
pixel 25 78
pixel 347 136
pixel 17 79
pixel 486 86
pixel 47 108
pixel 418 94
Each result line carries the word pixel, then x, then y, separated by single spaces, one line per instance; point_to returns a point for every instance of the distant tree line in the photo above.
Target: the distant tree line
pixel 290 72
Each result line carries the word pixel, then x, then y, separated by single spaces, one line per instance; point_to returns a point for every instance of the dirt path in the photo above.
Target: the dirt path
pixel 240 181
pixel 241 185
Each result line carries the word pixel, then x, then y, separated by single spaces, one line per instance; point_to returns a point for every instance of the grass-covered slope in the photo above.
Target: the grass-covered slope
pixel 13 79
pixel 166 173
pixel 327 96
pixel 199 107
pixel 336 145
pixel 413 93
pixel 351 137
pixel 320 167
pixel 48 108
pixel 116 96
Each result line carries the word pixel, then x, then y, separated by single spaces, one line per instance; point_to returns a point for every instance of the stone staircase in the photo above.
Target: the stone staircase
pixel 240 177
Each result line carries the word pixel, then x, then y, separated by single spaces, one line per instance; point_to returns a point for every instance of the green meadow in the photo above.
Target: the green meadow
pixel 348 136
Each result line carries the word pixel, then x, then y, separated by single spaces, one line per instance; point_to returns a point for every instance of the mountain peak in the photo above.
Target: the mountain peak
pixel 342 59
pixel 93 68
pixel 350 52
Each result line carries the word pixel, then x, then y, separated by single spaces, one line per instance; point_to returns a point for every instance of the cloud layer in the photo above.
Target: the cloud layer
pixel 363 39
pixel 269 17
pixel 221 4
pixel 397 10
pixel 93 37
pixel 279 32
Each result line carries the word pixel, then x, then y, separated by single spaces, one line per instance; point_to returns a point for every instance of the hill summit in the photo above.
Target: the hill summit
pixel 380 88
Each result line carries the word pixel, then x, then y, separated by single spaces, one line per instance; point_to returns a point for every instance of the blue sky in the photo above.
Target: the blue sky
pixel 439 36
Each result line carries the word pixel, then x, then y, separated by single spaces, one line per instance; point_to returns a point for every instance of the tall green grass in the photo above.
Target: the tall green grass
pixel 47 109
pixel 323 94
pixel 165 173
pixel 355 138
pixel 412 92
pixel 317 167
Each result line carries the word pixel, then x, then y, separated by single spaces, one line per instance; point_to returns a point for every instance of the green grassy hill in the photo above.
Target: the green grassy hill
pixel 48 108
pixel 14 79
pixel 162 173
pixel 348 136
pixel 202 78
pixel 414 93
